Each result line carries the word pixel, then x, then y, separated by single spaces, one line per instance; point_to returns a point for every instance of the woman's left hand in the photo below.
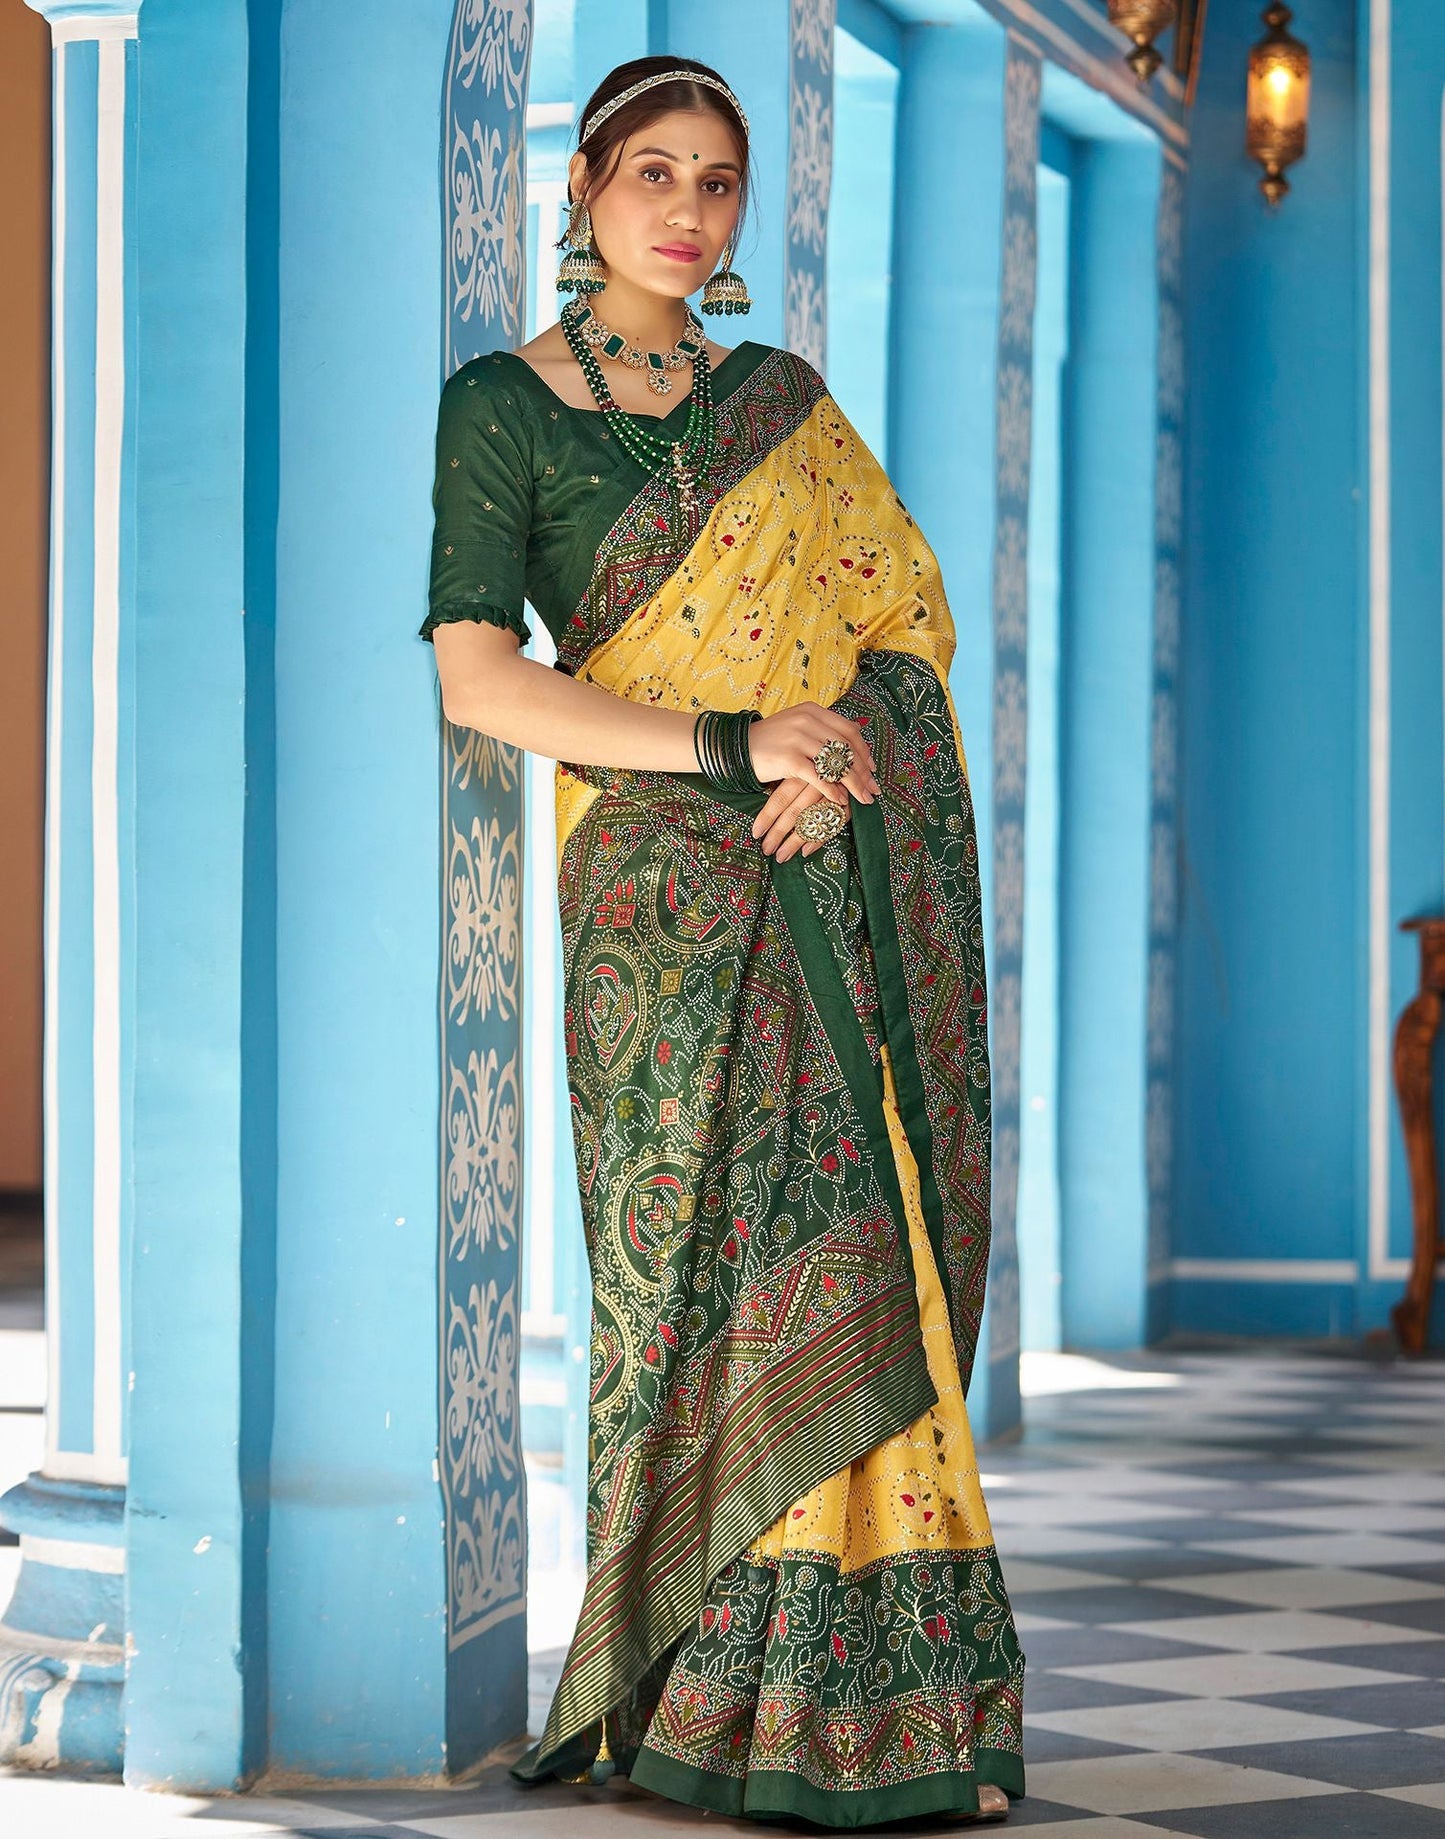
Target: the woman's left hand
pixel 774 822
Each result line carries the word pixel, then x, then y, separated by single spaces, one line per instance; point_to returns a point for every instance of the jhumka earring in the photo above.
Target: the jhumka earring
pixel 581 270
pixel 726 291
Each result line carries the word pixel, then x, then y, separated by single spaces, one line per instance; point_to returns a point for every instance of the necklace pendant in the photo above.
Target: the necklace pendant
pixel 659 382
pixel 682 480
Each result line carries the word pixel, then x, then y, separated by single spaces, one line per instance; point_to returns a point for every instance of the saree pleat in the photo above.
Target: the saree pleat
pixel 778 1079
pixel 857 1662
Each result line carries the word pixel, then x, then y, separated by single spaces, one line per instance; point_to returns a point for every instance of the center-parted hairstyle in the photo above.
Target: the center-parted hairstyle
pixel 602 149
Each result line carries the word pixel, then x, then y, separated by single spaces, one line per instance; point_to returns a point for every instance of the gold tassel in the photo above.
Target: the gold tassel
pixel 604 1767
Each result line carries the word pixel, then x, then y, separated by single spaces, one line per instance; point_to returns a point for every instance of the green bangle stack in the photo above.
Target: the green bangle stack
pixel 720 741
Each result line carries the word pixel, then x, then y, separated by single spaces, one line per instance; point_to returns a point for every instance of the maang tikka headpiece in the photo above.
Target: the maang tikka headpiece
pixel 664 76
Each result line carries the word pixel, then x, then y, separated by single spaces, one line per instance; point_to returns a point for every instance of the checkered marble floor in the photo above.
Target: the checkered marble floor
pixel 1229 1572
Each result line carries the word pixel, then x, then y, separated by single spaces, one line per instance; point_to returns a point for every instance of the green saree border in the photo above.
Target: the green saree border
pixel 871 843
pixel 764 1792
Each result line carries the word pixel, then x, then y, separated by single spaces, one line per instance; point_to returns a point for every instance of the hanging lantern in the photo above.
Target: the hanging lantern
pixel 1278 104
pixel 1143 21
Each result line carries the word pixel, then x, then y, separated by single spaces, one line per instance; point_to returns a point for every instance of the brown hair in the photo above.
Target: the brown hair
pixel 631 117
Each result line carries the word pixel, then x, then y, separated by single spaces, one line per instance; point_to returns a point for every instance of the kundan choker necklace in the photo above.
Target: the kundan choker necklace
pixel 609 344
pixel 683 460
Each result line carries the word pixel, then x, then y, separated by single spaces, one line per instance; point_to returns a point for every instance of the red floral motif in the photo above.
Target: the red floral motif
pixel 664 1052
pixel 840 1650
pixel 618 907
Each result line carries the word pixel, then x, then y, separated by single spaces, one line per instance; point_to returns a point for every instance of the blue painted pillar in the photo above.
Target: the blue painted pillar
pixel 200 1280
pixel 61 1642
pixel 749 45
pixel 943 417
pixel 282 1008
pixel 1117 743
pixel 608 35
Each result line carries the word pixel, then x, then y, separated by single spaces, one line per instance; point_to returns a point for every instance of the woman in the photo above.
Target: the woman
pixel 774 1012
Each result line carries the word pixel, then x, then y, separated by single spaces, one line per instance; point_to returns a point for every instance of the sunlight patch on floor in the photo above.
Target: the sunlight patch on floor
pixel 1045 1375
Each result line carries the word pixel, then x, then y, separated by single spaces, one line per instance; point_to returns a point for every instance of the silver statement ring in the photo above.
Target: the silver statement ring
pixel 832 760
pixel 819 822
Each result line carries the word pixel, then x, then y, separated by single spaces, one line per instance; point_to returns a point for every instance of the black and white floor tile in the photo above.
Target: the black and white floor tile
pixel 1229 1573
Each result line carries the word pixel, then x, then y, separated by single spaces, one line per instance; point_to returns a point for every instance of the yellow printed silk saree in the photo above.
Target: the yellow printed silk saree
pixel 778 1077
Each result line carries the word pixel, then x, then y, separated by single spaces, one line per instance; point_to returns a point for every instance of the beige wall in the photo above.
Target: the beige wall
pixel 24 551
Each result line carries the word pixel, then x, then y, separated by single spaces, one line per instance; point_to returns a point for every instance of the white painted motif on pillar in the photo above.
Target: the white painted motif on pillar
pixel 1008 890
pixel 1013 445
pixel 481 1149
pixel 810 173
pixel 1164 722
pixel 486 211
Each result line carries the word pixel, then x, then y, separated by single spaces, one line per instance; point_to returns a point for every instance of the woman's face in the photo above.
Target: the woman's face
pixel 664 218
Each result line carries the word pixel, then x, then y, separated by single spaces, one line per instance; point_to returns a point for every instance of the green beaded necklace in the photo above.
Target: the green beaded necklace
pixel 684 460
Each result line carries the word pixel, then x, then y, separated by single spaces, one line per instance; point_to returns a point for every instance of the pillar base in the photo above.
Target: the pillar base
pixel 62 1656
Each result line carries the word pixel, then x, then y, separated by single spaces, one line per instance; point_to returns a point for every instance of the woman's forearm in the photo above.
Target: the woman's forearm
pixel 547 712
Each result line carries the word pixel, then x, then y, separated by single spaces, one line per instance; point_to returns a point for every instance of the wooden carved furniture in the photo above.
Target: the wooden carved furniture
pixel 1414 1083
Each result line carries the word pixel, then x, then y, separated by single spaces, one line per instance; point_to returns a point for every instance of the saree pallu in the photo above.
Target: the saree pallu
pixel 778 1078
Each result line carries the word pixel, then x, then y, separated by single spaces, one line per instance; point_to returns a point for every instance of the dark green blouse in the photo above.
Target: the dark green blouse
pixel 527 486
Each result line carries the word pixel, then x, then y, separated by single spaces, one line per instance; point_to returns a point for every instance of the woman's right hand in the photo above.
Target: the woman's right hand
pixel 796 734
pixel 783 746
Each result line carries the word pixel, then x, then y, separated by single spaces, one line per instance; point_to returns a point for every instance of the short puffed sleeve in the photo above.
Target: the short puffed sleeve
pixel 483 502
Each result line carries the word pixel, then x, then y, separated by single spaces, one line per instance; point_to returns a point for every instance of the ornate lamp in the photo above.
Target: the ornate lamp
pixel 1278 104
pixel 1143 21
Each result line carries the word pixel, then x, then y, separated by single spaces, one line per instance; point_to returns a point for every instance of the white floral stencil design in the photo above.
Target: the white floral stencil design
pixel 1011 583
pixel 810 178
pixel 485 244
pixel 1015 402
pixel 492 43
pixel 1020 264
pixel 810 167
pixel 804 325
pixel 812 32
